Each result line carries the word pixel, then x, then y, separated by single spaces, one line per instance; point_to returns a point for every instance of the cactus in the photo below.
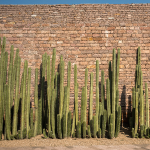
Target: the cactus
pixel 76 93
pixel 79 129
pixel 68 93
pixel 40 116
pixel 44 133
pixel 97 93
pixel 14 131
pixel 117 72
pixel 85 101
pixel 102 90
pixel 53 112
pixel 94 127
pixel 110 131
pixel 108 99
pixel 64 126
pixel 141 131
pixel 104 119
pixel 48 93
pixel 141 101
pixel 23 97
pixel 133 133
pixel 91 99
pixel 84 129
pixel 59 127
pixel 113 87
pixel 69 124
pixel 100 115
pixel 28 101
pixel 73 125
pixel 83 108
pixel 99 133
pixel 118 121
pixel 7 118
pixel 89 131
pixel 147 106
pixel 61 87
pixel 31 118
pixel 133 106
pixel 36 102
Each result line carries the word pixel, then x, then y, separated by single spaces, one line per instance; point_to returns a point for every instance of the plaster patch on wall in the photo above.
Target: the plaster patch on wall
pixel 110 17
pixel 106 35
pixel 33 15
pixel 120 41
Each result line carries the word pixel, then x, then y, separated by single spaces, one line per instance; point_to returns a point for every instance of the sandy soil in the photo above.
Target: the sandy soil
pixel 123 138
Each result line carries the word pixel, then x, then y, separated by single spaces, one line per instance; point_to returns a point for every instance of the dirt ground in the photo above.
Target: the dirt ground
pixel 124 138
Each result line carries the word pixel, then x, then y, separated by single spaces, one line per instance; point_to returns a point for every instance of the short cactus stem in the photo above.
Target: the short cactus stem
pixel 104 119
pixel 64 126
pixel 147 106
pixel 99 133
pixel 89 131
pixel 133 133
pixel 59 132
pixel 69 124
pixel 73 125
pixel 79 130
pixel 84 129
pixel 94 127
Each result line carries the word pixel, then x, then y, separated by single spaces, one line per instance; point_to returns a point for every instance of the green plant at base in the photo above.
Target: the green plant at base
pixel 104 119
pixel 31 118
pixel 99 133
pixel 44 133
pixel 64 126
pixel 73 125
pixel 147 106
pixel 118 121
pixel 133 133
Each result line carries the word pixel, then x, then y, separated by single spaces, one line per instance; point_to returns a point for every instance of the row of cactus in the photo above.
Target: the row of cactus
pixel 138 123
pixel 51 103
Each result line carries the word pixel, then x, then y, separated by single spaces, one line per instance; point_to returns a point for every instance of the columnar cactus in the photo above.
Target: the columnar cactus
pixel 36 102
pixel 91 99
pixel 23 97
pixel 61 86
pixel 59 132
pixel 102 90
pixel 28 102
pixel 76 93
pixel 147 106
pixel 97 93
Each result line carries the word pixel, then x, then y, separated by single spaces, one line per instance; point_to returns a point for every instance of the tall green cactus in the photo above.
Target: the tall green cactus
pixel 97 93
pixel 59 132
pixel 68 92
pixel 108 99
pixel 76 93
pixel 53 112
pixel 147 106
pixel 113 87
pixel 48 93
pixel 83 108
pixel 79 129
pixel 14 130
pixel 23 97
pixel 102 90
pixel 7 119
pixel 104 119
pixel 28 101
pixel 91 99
pixel 36 102
pixel 61 86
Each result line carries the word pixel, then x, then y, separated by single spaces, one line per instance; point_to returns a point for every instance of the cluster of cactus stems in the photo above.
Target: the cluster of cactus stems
pixel 51 104
pixel 138 123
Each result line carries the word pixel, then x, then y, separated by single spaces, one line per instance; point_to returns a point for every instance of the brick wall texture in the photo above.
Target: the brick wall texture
pixel 82 34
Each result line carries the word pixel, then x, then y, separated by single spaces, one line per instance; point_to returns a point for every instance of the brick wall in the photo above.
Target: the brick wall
pixel 82 34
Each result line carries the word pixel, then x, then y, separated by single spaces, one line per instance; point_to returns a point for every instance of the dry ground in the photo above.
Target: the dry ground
pixel 124 138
